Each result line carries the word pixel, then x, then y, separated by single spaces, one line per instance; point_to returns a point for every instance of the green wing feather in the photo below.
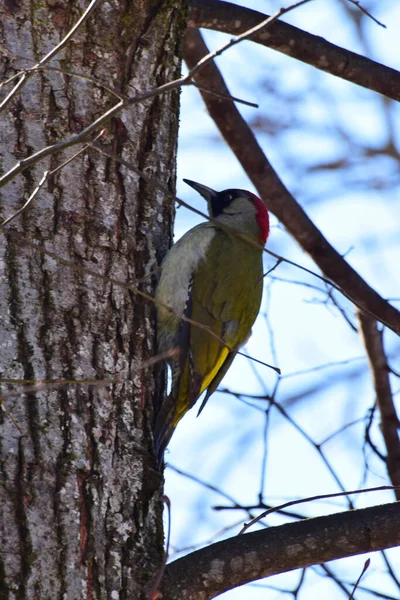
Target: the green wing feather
pixel 236 266
pixel 225 296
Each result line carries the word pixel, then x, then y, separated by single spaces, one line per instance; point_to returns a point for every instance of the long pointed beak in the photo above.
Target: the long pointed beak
pixel 207 192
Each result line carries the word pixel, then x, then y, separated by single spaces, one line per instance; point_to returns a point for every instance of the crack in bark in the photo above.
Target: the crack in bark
pixel 25 551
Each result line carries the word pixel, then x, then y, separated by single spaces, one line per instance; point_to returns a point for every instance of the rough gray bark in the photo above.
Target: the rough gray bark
pixel 80 495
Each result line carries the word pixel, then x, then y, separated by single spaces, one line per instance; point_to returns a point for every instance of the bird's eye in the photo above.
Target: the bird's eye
pixel 229 197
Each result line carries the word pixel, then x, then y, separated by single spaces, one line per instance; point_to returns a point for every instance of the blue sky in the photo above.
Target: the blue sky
pixel 321 120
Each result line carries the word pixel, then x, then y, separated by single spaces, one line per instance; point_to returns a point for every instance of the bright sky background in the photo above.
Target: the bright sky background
pixel 361 217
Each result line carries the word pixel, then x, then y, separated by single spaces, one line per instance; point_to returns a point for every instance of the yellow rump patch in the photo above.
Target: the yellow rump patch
pixel 208 378
pixel 183 399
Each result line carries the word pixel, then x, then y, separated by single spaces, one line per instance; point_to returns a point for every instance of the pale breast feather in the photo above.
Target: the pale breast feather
pixel 180 264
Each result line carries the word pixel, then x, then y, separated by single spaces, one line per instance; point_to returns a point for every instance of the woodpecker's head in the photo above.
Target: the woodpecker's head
pixel 239 209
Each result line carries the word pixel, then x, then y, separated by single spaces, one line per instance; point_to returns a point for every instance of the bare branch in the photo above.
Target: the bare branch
pixel 292 41
pixel 373 342
pixel 204 574
pixel 275 195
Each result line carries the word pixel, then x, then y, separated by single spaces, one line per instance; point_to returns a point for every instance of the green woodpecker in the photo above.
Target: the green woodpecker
pixel 215 278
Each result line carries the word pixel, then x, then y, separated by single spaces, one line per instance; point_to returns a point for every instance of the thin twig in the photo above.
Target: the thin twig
pixel 364 10
pixel 223 96
pixel 235 504
pixel 38 385
pixel 390 569
pixel 276 265
pixel 328 365
pixel 79 138
pixel 307 437
pixel 27 74
pixel 369 420
pixel 68 72
pixel 45 177
pixel 13 420
pixel 365 567
pixel 332 575
pixel 311 499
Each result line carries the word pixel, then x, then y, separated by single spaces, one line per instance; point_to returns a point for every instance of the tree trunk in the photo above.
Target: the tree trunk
pixel 80 493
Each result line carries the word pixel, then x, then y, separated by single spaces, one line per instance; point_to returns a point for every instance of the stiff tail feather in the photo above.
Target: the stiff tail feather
pixel 164 427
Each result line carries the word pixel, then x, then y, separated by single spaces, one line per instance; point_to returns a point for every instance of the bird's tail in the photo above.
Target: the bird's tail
pixel 185 390
pixel 164 426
